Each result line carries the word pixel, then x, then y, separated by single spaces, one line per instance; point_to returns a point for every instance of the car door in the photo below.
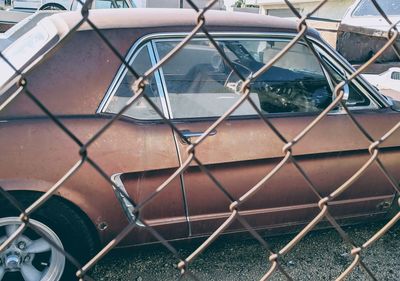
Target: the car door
pixel 200 87
pixel 152 153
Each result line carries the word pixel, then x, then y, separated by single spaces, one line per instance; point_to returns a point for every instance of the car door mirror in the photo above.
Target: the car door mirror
pixel 345 98
pixel 346 91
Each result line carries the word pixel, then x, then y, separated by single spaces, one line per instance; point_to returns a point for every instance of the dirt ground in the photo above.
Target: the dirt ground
pixel 322 255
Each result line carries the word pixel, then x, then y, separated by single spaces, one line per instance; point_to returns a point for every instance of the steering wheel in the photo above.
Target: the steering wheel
pixel 289 98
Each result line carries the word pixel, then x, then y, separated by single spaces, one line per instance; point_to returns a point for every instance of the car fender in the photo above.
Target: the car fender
pixel 88 208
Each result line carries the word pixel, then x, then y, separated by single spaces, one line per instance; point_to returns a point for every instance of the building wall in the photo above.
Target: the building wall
pixel 334 9
pixel 247 10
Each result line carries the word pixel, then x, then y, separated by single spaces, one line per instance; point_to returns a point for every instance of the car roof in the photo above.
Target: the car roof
pixel 150 18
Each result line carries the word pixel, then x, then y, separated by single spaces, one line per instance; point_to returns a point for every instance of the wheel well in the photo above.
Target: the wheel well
pixel 36 194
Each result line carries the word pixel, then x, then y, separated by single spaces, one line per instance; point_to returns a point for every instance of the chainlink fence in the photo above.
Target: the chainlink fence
pixel 183 262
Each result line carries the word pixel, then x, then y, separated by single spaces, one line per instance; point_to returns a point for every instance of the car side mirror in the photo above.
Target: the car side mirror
pixel 346 90
pixel 346 94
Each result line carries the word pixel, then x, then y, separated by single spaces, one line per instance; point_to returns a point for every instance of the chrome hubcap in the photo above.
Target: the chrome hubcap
pixel 13 262
pixel 24 253
pixel 17 254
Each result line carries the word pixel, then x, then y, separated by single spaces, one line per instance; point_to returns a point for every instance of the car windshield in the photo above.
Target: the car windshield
pixel 21 51
pixel 366 8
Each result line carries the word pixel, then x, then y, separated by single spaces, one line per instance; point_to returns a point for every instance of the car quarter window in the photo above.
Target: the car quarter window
pixel 200 84
pixel 356 98
pixel 123 90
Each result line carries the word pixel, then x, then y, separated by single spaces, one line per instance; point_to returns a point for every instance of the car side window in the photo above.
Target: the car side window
pixel 200 84
pixel 395 75
pixel 141 109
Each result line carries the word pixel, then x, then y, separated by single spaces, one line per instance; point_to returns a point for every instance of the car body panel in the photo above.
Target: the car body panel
pixel 242 152
pixel 93 54
pixel 126 147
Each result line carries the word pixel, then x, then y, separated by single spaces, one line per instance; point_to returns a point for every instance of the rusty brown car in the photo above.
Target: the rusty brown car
pixel 84 84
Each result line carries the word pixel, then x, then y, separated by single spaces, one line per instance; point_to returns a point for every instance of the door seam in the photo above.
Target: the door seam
pixel 163 88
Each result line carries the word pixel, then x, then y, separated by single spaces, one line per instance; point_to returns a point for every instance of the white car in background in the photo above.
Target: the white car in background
pixel 71 5
pixel 363 31
pixel 23 11
pixel 364 14
pixel 388 82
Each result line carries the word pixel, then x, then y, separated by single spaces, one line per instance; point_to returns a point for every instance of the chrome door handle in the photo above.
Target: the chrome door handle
pixel 189 134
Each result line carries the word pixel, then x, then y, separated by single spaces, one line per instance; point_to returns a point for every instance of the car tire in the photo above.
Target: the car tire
pixel 59 222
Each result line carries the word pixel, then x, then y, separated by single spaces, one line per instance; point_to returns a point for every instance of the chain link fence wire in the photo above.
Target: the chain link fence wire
pixel 183 262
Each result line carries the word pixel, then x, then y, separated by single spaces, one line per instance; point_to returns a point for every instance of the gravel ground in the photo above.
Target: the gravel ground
pixel 322 255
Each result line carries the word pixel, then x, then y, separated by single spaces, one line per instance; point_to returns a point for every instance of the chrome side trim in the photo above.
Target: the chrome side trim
pixel 125 204
pixel 163 82
pixel 177 35
pixel 159 80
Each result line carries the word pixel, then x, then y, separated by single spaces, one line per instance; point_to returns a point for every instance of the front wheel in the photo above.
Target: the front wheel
pixel 30 257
